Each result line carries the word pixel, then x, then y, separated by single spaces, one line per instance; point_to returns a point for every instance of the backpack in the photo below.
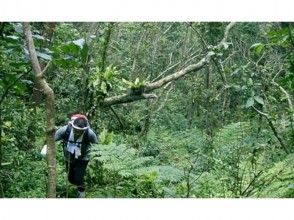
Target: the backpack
pixel 67 133
pixel 68 130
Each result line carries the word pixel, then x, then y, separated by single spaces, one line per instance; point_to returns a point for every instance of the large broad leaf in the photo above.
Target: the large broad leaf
pixel 37 36
pixel 79 42
pixel 13 37
pixel 250 102
pixel 18 27
pixel 29 82
pixel 259 99
pixel 44 56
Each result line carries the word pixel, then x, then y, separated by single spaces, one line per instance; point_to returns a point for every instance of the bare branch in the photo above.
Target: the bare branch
pixel 260 112
pixel 163 72
pixel 226 34
pixel 287 95
pixel 165 100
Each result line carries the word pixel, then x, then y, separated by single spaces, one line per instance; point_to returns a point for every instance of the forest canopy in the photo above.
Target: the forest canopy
pixel 182 109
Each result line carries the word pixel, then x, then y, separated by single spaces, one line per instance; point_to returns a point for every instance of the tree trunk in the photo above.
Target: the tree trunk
pixel 50 111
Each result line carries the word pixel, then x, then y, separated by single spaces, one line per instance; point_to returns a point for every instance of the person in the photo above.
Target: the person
pixel 77 138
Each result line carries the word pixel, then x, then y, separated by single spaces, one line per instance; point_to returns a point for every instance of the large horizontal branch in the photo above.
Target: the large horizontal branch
pixel 194 67
pixel 174 76
pixel 126 98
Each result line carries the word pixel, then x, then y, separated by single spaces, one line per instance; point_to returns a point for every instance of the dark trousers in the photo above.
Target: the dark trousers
pixel 76 172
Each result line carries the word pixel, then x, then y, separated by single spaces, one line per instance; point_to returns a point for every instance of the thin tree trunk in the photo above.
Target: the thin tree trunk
pixel 105 46
pixel 273 129
pixel 50 111
pixel 90 105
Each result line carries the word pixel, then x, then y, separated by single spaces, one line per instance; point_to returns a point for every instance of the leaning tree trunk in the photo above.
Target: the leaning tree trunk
pixel 50 111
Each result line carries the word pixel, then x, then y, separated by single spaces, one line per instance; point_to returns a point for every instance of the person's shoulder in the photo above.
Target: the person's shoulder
pixel 92 136
pixel 91 132
pixel 60 133
pixel 62 129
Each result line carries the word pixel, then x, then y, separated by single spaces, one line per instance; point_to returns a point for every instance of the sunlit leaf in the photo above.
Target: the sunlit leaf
pixel 250 102
pixel 44 56
pixel 259 99
pixel 39 37
pixel 79 42
pixel 13 37
pixel 258 48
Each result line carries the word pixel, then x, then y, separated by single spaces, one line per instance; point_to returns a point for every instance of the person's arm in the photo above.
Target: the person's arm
pixel 92 137
pixel 59 134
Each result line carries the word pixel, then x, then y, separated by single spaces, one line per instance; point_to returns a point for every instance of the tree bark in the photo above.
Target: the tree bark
pixel 50 111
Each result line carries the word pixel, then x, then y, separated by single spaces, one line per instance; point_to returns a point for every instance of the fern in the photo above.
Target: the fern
pixel 165 173
pixel 119 158
pixel 282 176
pixel 232 134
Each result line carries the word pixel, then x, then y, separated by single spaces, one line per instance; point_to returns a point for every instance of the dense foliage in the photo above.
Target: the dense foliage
pixel 223 131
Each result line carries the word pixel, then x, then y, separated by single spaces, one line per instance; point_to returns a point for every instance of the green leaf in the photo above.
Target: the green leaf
pixel 39 37
pixel 250 102
pixel 79 42
pixel 250 82
pixel 211 53
pixel 226 45
pixel 13 37
pixel 18 27
pixel 127 82
pixel 6 163
pixel 259 99
pixel 104 87
pixel 7 124
pixel 44 56
pixel 18 64
pixel 84 53
pixel 258 48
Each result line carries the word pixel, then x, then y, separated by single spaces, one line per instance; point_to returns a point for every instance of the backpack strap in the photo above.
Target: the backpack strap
pixel 67 133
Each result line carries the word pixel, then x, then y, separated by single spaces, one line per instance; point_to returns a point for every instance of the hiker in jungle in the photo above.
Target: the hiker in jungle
pixel 77 137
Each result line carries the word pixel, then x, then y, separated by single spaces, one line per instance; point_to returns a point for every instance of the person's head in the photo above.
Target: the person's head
pixel 80 125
